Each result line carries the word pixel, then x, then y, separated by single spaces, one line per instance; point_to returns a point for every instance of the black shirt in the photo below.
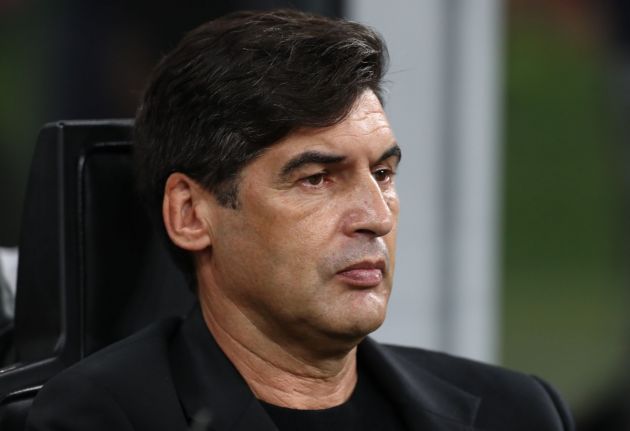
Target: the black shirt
pixel 367 409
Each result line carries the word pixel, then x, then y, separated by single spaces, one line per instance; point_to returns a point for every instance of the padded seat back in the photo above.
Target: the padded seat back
pixel 92 268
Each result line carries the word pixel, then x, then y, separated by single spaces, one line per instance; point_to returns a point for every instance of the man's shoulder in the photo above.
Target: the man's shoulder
pixel 131 352
pixel 129 360
pixel 465 373
pixel 129 379
pixel 503 394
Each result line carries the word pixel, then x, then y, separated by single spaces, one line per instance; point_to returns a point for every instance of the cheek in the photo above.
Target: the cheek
pixel 390 238
pixel 271 251
pixel 299 229
pixel 390 243
pixel 391 197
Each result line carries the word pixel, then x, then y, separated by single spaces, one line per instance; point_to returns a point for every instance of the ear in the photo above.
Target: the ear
pixel 184 210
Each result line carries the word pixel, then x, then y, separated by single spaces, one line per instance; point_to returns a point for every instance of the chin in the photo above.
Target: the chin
pixel 357 316
pixel 367 326
pixel 367 310
pixel 357 327
pixel 341 338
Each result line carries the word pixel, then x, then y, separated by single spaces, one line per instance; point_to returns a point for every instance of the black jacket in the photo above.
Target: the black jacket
pixel 173 376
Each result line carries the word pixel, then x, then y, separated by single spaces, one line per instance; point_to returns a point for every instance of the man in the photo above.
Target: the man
pixel 263 144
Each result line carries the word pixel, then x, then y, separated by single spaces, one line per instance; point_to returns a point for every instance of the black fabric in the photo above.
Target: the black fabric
pixel 366 409
pixel 13 414
pixel 7 349
pixel 211 391
pixel 173 376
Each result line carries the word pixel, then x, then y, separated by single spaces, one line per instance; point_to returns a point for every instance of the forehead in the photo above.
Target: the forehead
pixel 365 131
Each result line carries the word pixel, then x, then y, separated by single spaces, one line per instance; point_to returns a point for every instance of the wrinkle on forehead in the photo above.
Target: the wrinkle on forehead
pixel 368 113
pixel 367 103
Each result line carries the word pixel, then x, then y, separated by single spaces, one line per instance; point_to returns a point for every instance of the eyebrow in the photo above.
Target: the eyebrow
pixel 394 151
pixel 309 157
pixel 317 157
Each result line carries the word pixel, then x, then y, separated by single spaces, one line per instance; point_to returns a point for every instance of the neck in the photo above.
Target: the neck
pixel 278 373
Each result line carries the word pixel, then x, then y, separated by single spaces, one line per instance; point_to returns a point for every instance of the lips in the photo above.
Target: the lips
pixel 363 274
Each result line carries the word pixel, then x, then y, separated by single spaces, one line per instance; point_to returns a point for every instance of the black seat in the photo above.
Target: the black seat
pixel 92 269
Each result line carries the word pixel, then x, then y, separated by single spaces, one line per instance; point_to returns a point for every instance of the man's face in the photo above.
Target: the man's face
pixel 309 254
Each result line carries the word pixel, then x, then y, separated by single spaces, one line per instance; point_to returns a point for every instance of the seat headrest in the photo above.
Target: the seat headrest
pixel 92 267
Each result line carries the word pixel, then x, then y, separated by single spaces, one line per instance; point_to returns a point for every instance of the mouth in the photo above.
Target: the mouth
pixel 367 273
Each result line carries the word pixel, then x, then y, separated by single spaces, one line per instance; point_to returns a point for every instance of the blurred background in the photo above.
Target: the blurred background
pixel 513 117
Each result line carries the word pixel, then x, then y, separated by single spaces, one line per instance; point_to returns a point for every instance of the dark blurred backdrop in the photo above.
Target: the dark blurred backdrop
pixel 566 146
pixel 73 59
pixel 566 196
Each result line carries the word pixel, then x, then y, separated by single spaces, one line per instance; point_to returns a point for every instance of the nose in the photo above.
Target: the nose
pixel 370 211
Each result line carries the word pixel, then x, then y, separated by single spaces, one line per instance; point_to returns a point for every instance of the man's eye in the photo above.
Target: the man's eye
pixel 314 180
pixel 383 175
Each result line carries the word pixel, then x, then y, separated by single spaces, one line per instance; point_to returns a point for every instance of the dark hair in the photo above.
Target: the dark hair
pixel 238 84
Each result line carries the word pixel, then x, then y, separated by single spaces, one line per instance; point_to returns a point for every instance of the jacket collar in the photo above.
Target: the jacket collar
pixel 425 401
pixel 215 397
pixel 212 393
